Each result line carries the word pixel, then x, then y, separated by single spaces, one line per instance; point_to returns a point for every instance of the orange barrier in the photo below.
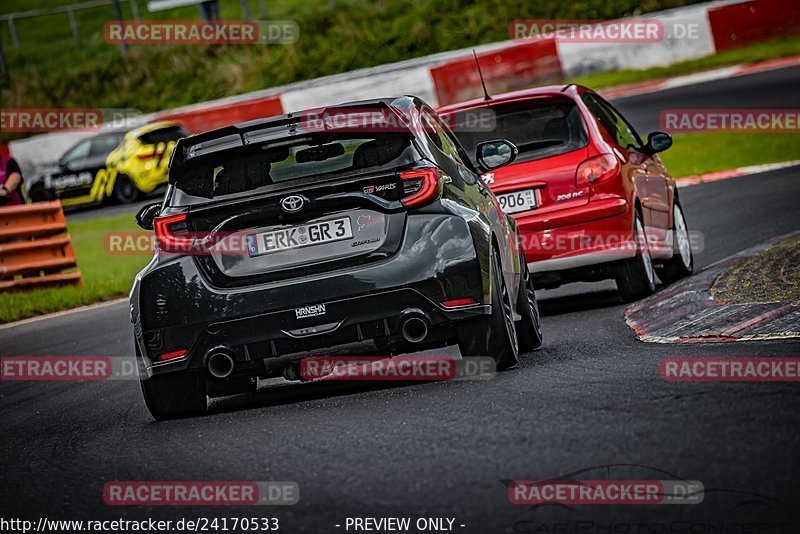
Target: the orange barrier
pixel 32 253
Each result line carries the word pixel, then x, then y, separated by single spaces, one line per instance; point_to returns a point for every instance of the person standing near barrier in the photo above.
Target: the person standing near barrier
pixel 10 182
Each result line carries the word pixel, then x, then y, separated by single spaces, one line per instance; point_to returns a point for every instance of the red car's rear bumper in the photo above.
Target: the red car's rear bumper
pixel 599 231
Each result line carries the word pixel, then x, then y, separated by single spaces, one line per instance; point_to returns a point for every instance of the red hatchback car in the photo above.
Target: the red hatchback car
pixel 591 199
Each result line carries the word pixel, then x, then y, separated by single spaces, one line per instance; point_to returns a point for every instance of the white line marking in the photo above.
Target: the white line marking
pixel 717 176
pixel 700 77
pixel 756 169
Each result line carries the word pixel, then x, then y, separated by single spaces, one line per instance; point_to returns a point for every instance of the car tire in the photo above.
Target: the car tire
pixel 172 395
pixel 529 327
pixel 494 336
pixel 125 191
pixel 636 277
pixel 681 264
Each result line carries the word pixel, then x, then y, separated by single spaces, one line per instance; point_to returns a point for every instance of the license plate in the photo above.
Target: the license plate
pixel 304 235
pixel 517 201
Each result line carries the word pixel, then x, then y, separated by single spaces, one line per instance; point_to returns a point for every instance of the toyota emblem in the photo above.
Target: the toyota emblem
pixel 292 204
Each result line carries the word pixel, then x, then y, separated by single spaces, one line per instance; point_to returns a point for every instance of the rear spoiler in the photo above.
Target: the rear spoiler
pixel 237 137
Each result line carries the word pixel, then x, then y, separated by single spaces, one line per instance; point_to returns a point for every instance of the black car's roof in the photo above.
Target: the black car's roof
pixel 226 137
pixel 368 103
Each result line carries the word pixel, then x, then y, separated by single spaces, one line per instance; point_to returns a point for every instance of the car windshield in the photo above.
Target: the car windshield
pixel 308 158
pixel 102 145
pixel 539 129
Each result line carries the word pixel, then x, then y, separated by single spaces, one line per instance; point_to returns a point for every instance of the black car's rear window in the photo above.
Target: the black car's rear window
pixel 539 128
pixel 306 158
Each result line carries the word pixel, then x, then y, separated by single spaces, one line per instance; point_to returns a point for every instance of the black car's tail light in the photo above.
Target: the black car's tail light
pixel 172 234
pixel 420 186
pixel 597 169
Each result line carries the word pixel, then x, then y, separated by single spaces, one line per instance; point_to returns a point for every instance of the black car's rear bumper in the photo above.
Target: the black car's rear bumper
pixel 175 307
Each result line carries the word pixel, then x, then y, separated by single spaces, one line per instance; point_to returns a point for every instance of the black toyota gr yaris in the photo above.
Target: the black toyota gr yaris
pixel 360 229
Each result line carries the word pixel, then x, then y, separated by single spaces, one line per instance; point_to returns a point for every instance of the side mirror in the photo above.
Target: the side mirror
pixel 494 154
pixel 147 215
pixel 658 142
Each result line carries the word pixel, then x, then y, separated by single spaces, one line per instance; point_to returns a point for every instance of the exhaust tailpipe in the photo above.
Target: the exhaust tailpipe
pixel 220 364
pixel 414 329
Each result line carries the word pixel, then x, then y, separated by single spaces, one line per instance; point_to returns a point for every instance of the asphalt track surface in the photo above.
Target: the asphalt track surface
pixel 773 89
pixel 590 402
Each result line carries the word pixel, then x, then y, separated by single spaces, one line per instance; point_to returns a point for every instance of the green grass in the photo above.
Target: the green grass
pixel 46 42
pixel 752 53
pixel 337 36
pixel 770 276
pixel 105 275
pixel 701 153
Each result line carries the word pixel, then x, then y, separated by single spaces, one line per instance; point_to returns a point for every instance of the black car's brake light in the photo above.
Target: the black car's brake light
pixel 459 303
pixel 172 235
pixel 173 355
pixel 420 186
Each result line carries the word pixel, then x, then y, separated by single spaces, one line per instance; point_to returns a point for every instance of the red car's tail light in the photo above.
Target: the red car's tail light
pixel 457 303
pixel 597 169
pixel 169 232
pixel 421 185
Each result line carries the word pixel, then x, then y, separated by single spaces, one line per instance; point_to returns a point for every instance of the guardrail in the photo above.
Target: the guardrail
pixel 32 250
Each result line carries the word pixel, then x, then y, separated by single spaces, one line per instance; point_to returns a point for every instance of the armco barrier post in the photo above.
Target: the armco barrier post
pixel 32 250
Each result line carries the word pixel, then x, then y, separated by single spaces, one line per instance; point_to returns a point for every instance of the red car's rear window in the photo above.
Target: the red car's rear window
pixel 539 128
